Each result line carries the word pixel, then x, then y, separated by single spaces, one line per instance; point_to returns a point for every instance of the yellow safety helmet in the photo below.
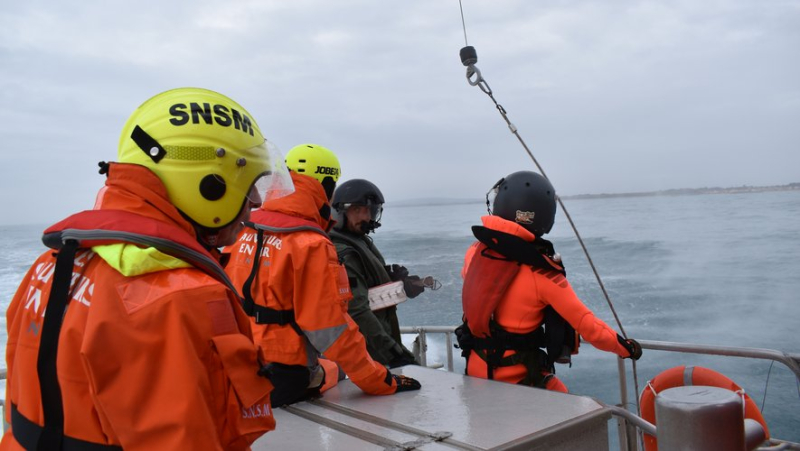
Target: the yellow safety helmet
pixel 315 161
pixel 207 150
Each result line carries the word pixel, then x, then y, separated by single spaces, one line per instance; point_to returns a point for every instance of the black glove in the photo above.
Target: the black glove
pixel 633 347
pixel 405 383
pixel 290 382
pixel 396 272
pixel 413 286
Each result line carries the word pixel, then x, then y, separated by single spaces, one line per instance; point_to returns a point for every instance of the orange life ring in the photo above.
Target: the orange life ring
pixel 690 375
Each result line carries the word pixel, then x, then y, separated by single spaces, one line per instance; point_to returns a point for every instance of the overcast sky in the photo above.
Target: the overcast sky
pixel 611 96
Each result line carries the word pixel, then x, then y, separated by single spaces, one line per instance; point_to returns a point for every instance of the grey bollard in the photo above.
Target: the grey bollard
pixel 754 434
pixel 699 418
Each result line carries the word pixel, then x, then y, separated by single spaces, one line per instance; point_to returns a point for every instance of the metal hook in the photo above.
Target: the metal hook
pixel 430 282
pixel 478 81
pixel 427 282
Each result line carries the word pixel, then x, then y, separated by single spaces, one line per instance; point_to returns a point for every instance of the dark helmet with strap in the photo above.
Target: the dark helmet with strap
pixel 357 192
pixel 526 198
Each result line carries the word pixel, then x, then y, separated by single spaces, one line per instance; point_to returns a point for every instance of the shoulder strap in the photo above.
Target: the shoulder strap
pixel 262 314
pixel 53 431
pixel 51 435
pixel 248 304
pixel 275 222
pixel 198 257
pixel 517 249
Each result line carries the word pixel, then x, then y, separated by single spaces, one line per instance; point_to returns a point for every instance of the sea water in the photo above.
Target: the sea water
pixel 714 269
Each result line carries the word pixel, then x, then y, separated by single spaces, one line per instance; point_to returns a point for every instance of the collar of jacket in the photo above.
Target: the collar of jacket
pixel 305 202
pixel 134 200
pixel 136 189
pixel 371 259
pixel 131 260
pixel 506 226
pixel 347 234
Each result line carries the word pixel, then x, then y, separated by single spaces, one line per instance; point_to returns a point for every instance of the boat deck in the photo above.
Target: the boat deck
pixel 451 411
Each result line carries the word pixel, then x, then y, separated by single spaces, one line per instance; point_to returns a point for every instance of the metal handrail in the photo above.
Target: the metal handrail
pixel 790 360
pixel 421 351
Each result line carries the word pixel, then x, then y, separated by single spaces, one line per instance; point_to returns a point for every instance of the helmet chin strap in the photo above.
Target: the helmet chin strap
pixel 494 188
pixel 367 227
pixel 206 237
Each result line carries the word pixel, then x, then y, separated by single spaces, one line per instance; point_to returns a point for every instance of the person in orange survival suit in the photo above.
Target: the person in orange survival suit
pixel 144 344
pixel 296 291
pixel 516 297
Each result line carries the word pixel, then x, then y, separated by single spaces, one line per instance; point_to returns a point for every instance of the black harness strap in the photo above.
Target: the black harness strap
pixel 491 349
pixel 266 315
pixel 534 360
pixel 249 303
pixel 502 340
pixel 52 434
pixel 262 314
pixel 28 433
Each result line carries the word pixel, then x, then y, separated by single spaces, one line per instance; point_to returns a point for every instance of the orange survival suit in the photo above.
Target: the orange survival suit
pixel 300 289
pixel 154 351
pixel 521 307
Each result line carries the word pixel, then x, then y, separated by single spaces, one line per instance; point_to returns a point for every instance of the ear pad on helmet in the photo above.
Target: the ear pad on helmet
pixel 212 187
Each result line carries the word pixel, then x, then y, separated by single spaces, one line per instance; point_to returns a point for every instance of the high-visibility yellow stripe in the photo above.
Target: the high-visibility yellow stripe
pixel 131 260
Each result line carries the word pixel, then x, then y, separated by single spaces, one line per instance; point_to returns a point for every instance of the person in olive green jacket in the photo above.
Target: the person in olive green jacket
pixel 357 206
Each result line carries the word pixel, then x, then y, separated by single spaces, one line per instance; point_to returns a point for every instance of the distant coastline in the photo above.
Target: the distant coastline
pixel 744 189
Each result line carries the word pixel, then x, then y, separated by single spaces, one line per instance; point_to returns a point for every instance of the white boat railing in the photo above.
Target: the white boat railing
pixel 790 360
pixel 626 419
pixel 420 350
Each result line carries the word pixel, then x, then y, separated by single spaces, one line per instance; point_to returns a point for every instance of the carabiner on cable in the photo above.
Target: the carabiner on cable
pixel 478 81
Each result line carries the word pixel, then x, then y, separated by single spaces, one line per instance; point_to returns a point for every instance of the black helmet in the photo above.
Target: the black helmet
pixel 526 198
pixel 357 192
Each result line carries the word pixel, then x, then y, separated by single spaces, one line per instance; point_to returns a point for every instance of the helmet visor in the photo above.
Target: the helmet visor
pixel 273 180
pixel 375 210
pixel 491 195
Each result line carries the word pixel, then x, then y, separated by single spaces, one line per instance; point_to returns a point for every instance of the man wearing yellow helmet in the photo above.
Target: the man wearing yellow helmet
pixel 154 350
pixel 297 292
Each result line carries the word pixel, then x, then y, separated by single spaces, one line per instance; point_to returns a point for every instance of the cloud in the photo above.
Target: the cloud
pixel 614 96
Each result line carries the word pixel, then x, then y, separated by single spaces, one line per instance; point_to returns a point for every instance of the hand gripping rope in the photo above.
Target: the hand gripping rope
pixel 469 57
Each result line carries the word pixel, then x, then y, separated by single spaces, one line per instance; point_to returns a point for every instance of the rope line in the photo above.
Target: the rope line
pixel 766 384
pixel 463 24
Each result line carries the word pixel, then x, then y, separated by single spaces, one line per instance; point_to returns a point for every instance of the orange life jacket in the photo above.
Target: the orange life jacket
pixel 274 222
pixel 522 305
pixel 161 359
pixel 300 280
pixel 496 263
